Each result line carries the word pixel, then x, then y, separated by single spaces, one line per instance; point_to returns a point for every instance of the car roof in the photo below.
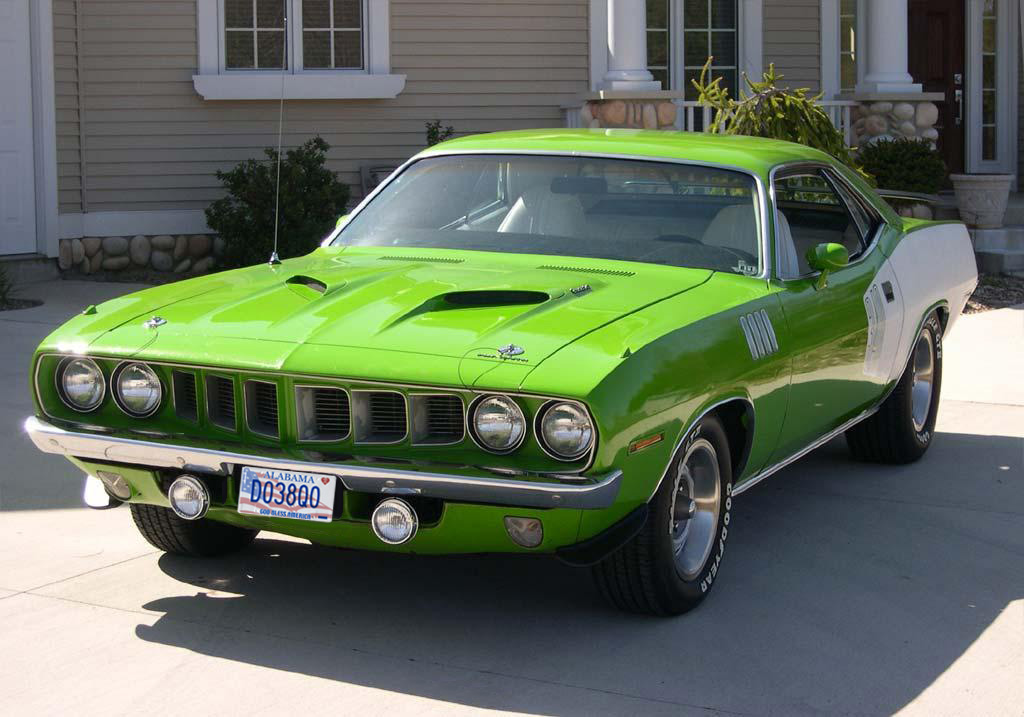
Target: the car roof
pixel 753 154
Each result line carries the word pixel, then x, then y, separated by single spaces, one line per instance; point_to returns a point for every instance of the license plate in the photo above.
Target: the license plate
pixel 283 494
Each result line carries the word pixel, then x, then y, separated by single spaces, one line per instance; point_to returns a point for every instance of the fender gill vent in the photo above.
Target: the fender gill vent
pixel 429 259
pixel 186 400
pixel 587 270
pixel 379 416
pixel 437 419
pixel 323 413
pixel 220 401
pixel 261 407
pixel 760 334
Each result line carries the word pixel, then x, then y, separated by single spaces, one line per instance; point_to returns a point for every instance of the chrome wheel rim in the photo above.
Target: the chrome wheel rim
pixel 923 377
pixel 696 504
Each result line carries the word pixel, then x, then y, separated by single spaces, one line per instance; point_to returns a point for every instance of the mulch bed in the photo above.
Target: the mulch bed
pixel 995 291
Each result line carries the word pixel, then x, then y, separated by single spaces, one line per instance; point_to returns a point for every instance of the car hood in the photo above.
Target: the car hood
pixel 428 302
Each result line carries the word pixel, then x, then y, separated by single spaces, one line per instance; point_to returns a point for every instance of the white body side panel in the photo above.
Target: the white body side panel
pixel 931 265
pixel 883 303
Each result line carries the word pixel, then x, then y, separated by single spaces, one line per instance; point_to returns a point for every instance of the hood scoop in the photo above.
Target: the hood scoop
pixel 309 287
pixel 493 297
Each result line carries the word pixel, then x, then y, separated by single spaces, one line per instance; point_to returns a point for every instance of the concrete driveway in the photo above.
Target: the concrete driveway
pixel 847 588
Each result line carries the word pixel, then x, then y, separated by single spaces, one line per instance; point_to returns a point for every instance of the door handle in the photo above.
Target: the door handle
pixel 958 97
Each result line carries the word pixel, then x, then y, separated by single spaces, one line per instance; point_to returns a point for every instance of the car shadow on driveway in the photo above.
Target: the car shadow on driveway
pixel 847 587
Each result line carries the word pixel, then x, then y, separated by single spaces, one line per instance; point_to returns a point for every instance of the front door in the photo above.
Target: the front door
pixel 828 326
pixel 937 30
pixel 17 164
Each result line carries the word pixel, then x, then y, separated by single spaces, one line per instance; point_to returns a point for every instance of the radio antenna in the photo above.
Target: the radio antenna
pixel 274 259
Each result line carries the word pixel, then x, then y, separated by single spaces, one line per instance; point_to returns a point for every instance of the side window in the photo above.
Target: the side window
pixel 815 214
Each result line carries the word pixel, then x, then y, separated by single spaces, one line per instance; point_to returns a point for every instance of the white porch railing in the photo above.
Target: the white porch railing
pixel 694 117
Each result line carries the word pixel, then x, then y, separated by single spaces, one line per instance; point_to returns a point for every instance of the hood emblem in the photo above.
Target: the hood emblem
pixel 154 322
pixel 511 350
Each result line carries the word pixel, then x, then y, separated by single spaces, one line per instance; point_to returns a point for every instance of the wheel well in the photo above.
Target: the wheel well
pixel 737 418
pixel 943 312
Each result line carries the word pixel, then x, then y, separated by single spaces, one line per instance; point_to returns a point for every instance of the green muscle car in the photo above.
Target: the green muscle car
pixel 583 343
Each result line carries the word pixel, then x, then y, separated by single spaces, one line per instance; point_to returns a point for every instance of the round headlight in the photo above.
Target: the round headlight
pixel 82 385
pixel 566 430
pixel 499 424
pixel 138 389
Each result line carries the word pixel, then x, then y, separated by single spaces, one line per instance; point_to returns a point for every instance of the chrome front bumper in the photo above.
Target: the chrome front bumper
pixel 584 493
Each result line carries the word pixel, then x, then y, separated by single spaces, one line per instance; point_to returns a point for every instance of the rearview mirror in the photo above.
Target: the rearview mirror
pixel 826 258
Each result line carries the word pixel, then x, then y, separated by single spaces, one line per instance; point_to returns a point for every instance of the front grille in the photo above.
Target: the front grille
pixel 220 402
pixel 380 416
pixel 186 400
pixel 323 413
pixel 261 407
pixel 437 419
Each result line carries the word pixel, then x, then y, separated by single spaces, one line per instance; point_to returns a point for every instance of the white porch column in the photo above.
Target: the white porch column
pixel 627 47
pixel 887 49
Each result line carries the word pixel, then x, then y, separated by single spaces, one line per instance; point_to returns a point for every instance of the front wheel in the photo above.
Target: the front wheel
pixel 670 565
pixel 902 428
pixel 197 538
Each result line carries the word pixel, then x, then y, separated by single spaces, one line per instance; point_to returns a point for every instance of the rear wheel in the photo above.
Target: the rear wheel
pixel 670 565
pixel 198 538
pixel 902 429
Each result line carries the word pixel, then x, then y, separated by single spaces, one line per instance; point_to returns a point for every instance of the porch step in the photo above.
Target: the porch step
pixel 1014 210
pixel 24 268
pixel 999 251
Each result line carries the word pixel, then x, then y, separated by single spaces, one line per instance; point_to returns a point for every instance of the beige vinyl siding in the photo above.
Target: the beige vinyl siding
pixel 65 58
pixel 152 143
pixel 792 40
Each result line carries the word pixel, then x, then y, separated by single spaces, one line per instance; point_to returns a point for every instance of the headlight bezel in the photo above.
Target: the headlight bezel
pixel 58 380
pixel 471 416
pixel 542 440
pixel 115 389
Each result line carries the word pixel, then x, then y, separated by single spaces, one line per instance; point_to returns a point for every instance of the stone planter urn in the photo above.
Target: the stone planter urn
pixel 982 198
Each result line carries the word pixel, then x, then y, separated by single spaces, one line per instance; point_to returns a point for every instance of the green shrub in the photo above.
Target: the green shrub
pixel 6 287
pixel 311 200
pixel 436 133
pixel 767 110
pixel 904 164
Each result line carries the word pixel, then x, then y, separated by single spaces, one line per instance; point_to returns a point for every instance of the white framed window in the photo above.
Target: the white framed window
pixel 991 86
pixel 842 46
pixel 305 49
pixel 682 34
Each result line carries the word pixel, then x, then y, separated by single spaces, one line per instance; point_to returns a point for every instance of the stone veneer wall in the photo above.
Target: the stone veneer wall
pixel 880 120
pixel 640 113
pixel 182 254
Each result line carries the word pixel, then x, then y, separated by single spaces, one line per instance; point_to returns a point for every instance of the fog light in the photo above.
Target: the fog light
pixel 394 521
pixel 527 532
pixel 189 498
pixel 115 484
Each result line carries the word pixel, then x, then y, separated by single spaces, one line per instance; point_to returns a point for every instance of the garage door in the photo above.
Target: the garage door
pixel 17 174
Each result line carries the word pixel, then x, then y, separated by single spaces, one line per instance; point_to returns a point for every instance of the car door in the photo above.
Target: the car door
pixel 829 332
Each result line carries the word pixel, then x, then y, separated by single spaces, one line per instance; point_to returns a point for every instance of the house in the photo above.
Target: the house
pixel 117 113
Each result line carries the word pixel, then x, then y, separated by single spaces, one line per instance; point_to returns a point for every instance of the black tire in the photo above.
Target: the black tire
pixel 891 435
pixel 643 576
pixel 197 538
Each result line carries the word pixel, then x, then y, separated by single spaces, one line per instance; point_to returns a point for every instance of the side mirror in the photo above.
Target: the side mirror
pixel 342 221
pixel 826 258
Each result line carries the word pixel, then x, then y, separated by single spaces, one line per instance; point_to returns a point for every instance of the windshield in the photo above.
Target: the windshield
pixel 659 213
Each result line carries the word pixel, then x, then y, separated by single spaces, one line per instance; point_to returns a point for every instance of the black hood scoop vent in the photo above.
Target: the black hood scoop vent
pixel 494 297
